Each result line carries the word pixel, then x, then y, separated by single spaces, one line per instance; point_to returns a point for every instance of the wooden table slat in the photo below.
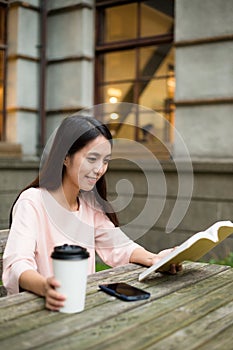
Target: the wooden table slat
pixel 102 312
pixel 189 308
pixel 13 300
pixel 129 275
pixel 208 327
pixel 163 315
pixel 222 341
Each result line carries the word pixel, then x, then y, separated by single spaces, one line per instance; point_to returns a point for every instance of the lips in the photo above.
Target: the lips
pixel 92 180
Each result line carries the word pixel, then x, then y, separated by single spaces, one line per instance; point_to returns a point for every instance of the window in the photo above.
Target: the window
pixel 3 54
pixel 135 62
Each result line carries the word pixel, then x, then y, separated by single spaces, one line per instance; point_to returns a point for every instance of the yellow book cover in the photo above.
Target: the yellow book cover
pixel 193 248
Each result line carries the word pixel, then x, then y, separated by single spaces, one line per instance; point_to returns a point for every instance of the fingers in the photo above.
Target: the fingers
pixel 165 252
pixel 53 300
pixel 52 282
pixel 179 267
pixel 174 268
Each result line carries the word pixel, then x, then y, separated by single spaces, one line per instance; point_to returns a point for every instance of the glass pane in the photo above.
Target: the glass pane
pixel 1 67
pixel 158 96
pixel 156 17
pixel 1 131
pixel 1 79
pixel 121 120
pixel 138 123
pixel 120 23
pixel 114 93
pixel 153 94
pixel 1 94
pixel 157 126
pixel 154 60
pixel 151 126
pixel 119 65
pixel 2 24
pixel 157 71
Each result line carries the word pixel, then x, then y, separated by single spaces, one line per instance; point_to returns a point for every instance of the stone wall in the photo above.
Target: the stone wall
pixel 70 57
pixel 212 198
pixel 23 76
pixel 68 83
pixel 14 176
pixel 204 70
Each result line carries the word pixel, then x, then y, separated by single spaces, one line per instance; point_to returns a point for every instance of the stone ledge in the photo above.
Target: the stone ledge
pixel 221 166
pixel 10 150
pixel 19 163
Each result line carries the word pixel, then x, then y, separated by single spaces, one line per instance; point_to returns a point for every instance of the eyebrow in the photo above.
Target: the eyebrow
pixel 98 154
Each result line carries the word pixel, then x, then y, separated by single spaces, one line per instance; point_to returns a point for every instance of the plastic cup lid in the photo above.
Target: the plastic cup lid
pixel 70 252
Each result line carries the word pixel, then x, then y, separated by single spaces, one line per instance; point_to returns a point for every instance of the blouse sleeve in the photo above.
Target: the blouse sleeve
pixel 112 244
pixel 19 254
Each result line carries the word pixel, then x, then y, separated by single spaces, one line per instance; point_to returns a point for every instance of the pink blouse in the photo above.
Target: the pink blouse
pixel 40 223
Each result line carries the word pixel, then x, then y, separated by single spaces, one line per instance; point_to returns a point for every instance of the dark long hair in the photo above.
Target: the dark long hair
pixel 74 133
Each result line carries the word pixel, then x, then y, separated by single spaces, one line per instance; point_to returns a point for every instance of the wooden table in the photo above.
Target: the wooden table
pixel 192 310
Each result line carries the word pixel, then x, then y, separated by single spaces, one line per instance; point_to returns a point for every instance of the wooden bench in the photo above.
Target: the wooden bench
pixel 3 239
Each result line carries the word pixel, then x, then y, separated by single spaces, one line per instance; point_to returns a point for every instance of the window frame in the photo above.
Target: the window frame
pixel 102 47
pixel 3 48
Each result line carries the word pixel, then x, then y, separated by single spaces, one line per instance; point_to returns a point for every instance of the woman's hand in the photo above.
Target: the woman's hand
pixel 173 267
pixel 146 258
pixel 53 300
pixel 34 282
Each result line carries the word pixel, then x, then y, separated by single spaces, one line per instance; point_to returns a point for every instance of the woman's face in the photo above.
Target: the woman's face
pixel 85 167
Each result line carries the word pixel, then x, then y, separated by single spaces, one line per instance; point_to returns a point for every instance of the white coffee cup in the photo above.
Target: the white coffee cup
pixel 70 269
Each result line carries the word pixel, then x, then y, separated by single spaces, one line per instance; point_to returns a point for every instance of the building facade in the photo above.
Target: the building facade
pixel 172 57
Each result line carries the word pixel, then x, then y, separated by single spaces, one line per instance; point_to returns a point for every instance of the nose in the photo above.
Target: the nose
pixel 98 168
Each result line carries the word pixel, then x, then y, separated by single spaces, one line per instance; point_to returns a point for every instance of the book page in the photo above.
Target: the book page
pixel 194 248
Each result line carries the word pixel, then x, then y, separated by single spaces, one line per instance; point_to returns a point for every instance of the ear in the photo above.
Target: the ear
pixel 66 160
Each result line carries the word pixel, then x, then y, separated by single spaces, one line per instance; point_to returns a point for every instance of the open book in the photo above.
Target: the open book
pixel 194 248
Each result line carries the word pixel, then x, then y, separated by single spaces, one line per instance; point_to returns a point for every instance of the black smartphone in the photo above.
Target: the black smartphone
pixel 124 291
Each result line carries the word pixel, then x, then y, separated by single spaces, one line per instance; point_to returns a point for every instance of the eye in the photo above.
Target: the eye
pixel 106 161
pixel 91 159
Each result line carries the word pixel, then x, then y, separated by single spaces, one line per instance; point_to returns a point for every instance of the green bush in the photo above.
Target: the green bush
pixel 99 266
pixel 228 260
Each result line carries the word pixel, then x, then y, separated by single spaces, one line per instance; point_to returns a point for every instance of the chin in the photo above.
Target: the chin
pixel 87 188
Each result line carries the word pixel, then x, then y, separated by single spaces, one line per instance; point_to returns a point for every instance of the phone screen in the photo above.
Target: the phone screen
pixel 124 291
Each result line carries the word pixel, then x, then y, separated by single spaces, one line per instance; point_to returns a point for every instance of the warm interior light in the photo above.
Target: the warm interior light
pixel 171 82
pixel 113 99
pixel 114 92
pixel 114 116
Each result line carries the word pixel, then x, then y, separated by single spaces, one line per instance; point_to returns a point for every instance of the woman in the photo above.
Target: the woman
pixel 67 204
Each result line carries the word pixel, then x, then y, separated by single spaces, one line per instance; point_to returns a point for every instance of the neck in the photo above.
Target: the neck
pixel 67 198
